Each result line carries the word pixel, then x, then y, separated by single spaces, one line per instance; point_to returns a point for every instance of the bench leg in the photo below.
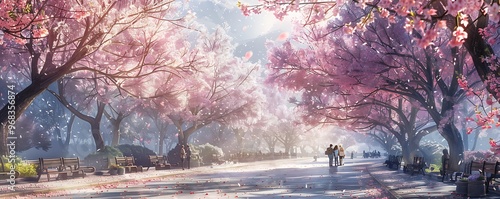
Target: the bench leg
pixel 487 186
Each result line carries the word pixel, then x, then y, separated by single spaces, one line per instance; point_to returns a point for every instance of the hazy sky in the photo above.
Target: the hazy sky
pixel 249 32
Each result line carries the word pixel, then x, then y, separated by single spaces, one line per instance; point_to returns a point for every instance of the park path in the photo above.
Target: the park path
pixel 285 178
pixel 292 178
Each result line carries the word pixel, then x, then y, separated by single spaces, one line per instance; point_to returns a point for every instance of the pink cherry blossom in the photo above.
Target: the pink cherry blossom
pixel 459 36
pixel 248 55
pixel 283 36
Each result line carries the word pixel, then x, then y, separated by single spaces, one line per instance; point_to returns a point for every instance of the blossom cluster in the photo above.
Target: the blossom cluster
pixel 15 17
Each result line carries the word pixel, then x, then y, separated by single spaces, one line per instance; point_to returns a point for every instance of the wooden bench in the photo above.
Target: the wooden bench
pixel 490 172
pixel 473 166
pixel 51 166
pixel 74 167
pixel 394 161
pixel 418 165
pixel 129 164
pixel 159 162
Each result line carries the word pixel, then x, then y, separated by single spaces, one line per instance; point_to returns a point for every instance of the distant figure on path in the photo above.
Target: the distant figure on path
pixel 329 153
pixel 188 156
pixel 341 154
pixel 336 155
pixel 183 156
pixel 445 159
pixel 352 154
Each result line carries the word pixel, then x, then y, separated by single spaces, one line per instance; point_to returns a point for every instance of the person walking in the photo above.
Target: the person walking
pixel 341 154
pixel 445 160
pixel 336 155
pixel 188 156
pixel 329 153
pixel 183 156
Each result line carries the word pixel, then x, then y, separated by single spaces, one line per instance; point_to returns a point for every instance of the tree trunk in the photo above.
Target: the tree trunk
pixel 466 139
pixel 181 138
pixel 454 139
pixel 161 142
pixel 405 152
pixel 22 102
pixel 287 148
pixel 95 122
pixel 65 143
pixel 96 134
pixel 116 129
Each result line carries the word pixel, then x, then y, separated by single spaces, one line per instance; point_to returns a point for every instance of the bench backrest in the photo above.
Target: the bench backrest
pixel 125 161
pixel 51 163
pixel 32 162
pixel 72 162
pixel 476 166
pixel 490 168
pixel 153 158
pixel 418 160
pixel 162 159
pixel 156 159
pixel 130 160
pixel 120 160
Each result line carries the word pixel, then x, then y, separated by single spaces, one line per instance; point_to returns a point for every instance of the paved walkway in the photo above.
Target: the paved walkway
pixel 291 178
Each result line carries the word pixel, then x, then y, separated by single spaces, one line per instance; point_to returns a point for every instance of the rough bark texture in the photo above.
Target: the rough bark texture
pixel 161 142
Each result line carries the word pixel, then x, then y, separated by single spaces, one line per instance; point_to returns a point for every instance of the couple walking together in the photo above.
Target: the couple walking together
pixel 335 153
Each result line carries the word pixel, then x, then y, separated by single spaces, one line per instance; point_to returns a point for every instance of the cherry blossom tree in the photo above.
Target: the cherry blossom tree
pixel 472 24
pixel 158 112
pixel 285 129
pixel 117 40
pixel 329 68
pixel 82 95
pixel 224 90
pixel 397 117
pixel 117 110
pixel 139 130
pixel 386 139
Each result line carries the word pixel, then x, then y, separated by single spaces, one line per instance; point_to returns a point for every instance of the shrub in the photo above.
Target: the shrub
pixel 436 167
pixel 140 153
pixel 96 159
pixel 209 154
pixel 25 170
